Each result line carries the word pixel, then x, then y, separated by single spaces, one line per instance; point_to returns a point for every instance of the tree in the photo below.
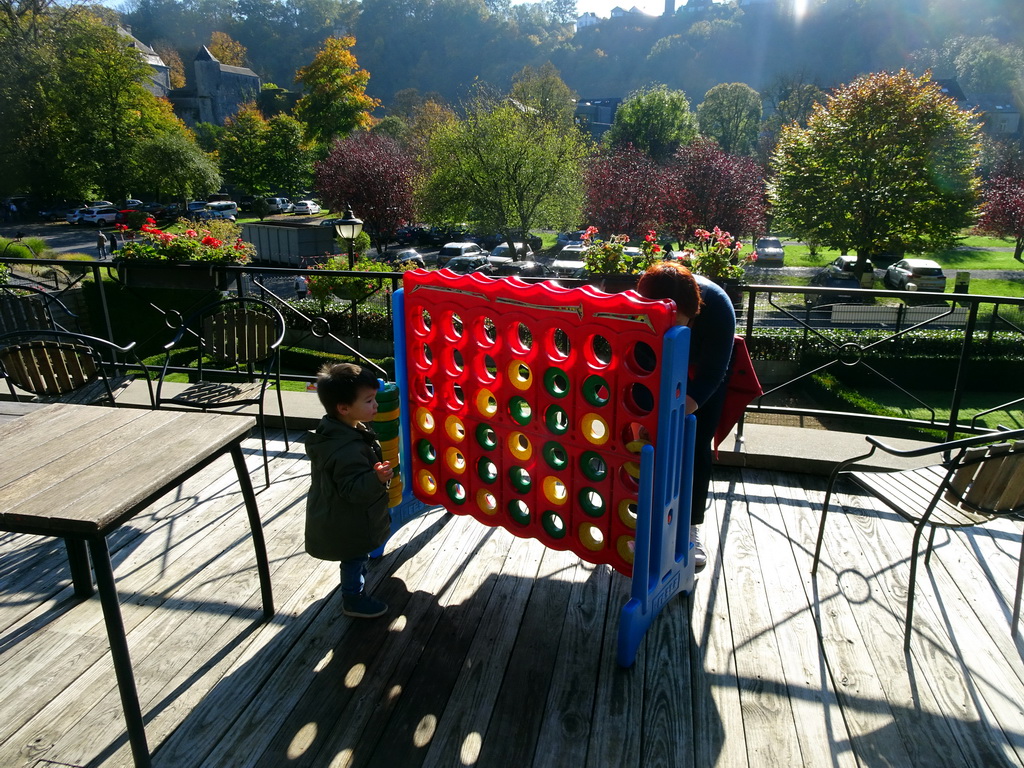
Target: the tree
pixel 73 107
pixel 373 174
pixel 335 103
pixel 544 90
pixel 887 165
pixel 727 191
pixel 504 168
pixel 179 168
pixel 731 114
pixel 286 158
pixel 628 193
pixel 1003 211
pixel 226 50
pixel 241 150
pixel 654 120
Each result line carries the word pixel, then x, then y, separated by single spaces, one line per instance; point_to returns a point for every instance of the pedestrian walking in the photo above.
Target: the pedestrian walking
pixel 101 245
pixel 301 286
pixel 113 243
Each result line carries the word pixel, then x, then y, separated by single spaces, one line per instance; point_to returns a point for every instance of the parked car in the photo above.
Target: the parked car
pixel 489 242
pixel 915 275
pixel 194 207
pixel 99 216
pixel 574 237
pixel 132 204
pixel 279 205
pixel 842 273
pixel 74 216
pixel 523 269
pixel 222 209
pixel 502 251
pixel 451 250
pixel 306 207
pixel 410 235
pixel 410 256
pixel 463 265
pixel 770 252
pixel 58 210
pixel 99 204
pixel 568 267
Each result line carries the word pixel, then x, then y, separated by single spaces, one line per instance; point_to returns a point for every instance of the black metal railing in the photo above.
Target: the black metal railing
pixel 810 331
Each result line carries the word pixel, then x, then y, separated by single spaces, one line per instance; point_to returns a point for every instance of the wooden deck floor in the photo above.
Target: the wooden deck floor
pixel 498 652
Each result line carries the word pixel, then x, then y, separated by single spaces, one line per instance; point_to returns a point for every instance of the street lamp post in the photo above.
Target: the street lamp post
pixel 349 228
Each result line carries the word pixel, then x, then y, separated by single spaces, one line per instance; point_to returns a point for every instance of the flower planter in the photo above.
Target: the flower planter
pixel 141 274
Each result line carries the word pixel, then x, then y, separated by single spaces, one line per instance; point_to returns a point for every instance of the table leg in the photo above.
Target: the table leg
pixel 119 651
pixel 262 562
pixel 78 562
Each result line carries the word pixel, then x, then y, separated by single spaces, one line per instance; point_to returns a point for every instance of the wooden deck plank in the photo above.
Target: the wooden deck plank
pixel 815 707
pixel 483 663
pixel 719 737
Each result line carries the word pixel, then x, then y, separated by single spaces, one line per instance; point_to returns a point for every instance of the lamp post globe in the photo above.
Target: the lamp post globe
pixel 349 229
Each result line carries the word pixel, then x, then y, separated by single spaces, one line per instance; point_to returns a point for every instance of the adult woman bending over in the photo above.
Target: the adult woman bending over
pixel 705 308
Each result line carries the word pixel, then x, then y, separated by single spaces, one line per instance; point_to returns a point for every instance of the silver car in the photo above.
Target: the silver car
pixel 915 275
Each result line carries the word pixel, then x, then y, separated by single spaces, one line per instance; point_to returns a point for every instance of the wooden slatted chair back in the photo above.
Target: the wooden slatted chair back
pixel 49 368
pixel 990 480
pixel 24 313
pixel 239 336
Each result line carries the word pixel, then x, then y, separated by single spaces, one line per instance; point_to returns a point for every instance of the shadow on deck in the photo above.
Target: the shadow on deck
pixel 498 652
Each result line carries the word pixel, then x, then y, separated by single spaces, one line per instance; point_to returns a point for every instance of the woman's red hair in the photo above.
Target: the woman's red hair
pixel 671 280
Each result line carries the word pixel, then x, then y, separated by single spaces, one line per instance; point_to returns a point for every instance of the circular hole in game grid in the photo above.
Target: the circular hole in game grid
pixel 519 446
pixel 423 388
pixel 456 491
pixel 520 411
pixel 486 403
pixel 635 436
pixel 553 524
pixel 596 391
pixel 599 352
pixel 485 332
pixel 485 368
pixel 555 455
pixel 594 429
pixel 642 359
pixel 520 375
pixel 558 346
pixel 624 546
pixel 591 537
pixel 628 509
pixel 520 479
pixel 425 420
pixel 556 419
pixel 455 429
pixel 629 483
pixel 520 338
pixel 454 330
pixel 426 482
pixel 555 491
pixel 457 394
pixel 487 470
pixel 454 364
pixel 519 511
pixel 425 357
pixel 426 451
pixel 423 322
pixel 593 466
pixel 592 502
pixel 487 502
pixel 455 460
pixel 486 437
pixel 639 399
pixel 556 382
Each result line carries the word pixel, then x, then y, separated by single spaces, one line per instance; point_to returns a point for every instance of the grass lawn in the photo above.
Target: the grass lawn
pixel 973 403
pixel 798 255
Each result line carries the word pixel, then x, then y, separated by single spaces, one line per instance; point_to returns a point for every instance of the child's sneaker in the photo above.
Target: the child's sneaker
pixel 362 606
pixel 700 556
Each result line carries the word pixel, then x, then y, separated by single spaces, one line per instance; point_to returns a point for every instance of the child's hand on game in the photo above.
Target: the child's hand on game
pixel 383 470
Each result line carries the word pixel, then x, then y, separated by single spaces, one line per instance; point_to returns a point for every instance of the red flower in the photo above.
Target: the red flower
pixel 589 233
pixel 191 232
pixel 213 242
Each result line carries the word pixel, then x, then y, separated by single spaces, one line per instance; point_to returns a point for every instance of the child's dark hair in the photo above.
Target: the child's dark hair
pixel 339 384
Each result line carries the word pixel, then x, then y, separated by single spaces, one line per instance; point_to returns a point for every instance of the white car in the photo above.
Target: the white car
pixel 922 274
pixel 307 207
pixel 98 216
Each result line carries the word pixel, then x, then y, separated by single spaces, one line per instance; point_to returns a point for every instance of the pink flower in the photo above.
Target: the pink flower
pixel 589 233
pixel 191 232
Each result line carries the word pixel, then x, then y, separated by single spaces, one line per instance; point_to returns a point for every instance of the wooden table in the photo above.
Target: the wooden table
pixel 80 472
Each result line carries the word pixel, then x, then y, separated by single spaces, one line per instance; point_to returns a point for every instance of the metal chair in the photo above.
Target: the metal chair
pixel 67 367
pixel 26 308
pixel 230 351
pixel 977 480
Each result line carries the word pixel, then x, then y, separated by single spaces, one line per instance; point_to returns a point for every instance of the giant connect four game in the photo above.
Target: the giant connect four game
pixel 557 414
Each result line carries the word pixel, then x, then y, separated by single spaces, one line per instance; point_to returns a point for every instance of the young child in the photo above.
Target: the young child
pixel 347 505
